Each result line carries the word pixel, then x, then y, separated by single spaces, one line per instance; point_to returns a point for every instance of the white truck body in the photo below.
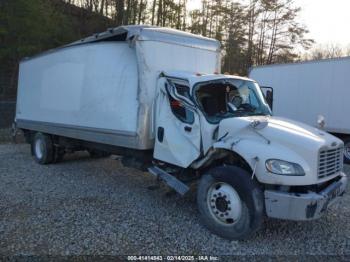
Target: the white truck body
pixel 155 96
pixel 102 90
pixel 303 91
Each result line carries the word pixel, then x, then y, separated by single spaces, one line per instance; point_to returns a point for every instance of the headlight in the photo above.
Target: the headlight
pixel 281 167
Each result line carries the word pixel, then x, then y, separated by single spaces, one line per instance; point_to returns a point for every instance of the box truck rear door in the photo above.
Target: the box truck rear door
pixel 177 126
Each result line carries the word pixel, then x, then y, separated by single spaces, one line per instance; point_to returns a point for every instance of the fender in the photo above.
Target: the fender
pixel 255 151
pixel 239 146
pixel 235 145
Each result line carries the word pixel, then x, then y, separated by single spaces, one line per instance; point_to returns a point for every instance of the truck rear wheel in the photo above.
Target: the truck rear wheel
pixel 347 150
pixel 230 202
pixel 42 148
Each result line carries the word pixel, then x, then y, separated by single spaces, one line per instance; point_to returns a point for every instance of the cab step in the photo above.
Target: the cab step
pixel 170 180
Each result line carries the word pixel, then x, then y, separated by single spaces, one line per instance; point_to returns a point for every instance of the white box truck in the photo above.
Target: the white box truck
pixel 311 92
pixel 155 96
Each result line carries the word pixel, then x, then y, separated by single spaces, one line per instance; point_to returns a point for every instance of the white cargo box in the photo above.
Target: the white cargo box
pixel 102 88
pixel 303 91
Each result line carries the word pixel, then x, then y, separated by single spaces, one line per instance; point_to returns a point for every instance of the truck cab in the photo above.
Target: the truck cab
pixel 222 127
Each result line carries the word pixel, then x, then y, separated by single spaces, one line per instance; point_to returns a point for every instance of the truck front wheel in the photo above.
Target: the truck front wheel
pixel 42 148
pixel 230 202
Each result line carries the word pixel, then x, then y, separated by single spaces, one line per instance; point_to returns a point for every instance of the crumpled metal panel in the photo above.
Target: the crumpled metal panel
pixel 303 206
pixel 152 33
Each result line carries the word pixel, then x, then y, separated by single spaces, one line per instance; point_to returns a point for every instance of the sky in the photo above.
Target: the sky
pixel 327 20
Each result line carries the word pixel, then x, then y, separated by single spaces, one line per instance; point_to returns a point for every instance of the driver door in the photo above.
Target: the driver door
pixel 177 126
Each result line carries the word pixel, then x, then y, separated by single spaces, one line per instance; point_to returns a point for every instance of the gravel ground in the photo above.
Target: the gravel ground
pixel 6 136
pixel 84 206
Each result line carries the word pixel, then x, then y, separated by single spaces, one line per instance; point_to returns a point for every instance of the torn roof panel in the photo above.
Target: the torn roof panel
pixel 151 33
pixel 144 33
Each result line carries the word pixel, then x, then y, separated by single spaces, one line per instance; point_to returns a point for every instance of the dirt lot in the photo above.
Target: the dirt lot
pixel 85 206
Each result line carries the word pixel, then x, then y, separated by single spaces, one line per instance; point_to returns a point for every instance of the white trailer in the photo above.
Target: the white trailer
pixel 311 90
pixel 155 97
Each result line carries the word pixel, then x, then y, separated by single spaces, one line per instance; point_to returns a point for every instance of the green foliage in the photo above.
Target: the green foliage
pixel 261 32
pixel 252 32
pixel 31 26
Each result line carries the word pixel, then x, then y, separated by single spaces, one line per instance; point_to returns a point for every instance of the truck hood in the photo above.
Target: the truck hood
pixel 289 133
pixel 259 138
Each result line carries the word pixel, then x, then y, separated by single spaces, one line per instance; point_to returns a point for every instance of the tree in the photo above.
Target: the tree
pixel 119 14
pixel 28 27
pixel 274 33
pixel 326 51
pixel 235 43
pixel 347 50
pixel 261 32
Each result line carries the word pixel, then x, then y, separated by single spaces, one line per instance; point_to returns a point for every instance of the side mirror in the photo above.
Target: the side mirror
pixel 268 95
pixel 321 121
pixel 269 98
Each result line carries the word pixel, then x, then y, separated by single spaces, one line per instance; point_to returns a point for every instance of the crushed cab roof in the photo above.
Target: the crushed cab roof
pixel 194 78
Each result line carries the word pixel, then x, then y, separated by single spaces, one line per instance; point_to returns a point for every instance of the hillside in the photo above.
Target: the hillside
pixel 28 27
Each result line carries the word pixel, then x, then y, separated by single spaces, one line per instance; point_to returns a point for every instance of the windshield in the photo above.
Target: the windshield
pixel 225 98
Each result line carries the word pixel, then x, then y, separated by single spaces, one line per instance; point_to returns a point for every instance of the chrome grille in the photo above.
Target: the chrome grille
pixel 330 161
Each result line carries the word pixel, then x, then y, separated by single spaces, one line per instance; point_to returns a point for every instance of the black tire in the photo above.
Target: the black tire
pixel 251 199
pixel 42 148
pixel 94 153
pixel 346 150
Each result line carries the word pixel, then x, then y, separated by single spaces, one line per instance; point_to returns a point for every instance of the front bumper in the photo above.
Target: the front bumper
pixel 306 206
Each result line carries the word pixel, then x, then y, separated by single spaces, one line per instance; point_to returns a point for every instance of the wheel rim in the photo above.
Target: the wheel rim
pixel 39 148
pixel 347 151
pixel 224 203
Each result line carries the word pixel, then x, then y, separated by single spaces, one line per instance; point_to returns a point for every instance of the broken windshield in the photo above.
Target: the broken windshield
pixel 230 97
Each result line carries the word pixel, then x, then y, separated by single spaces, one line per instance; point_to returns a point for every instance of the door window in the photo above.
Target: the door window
pixel 183 90
pixel 180 111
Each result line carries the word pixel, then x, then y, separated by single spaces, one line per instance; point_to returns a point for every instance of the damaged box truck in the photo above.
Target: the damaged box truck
pixel 155 96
